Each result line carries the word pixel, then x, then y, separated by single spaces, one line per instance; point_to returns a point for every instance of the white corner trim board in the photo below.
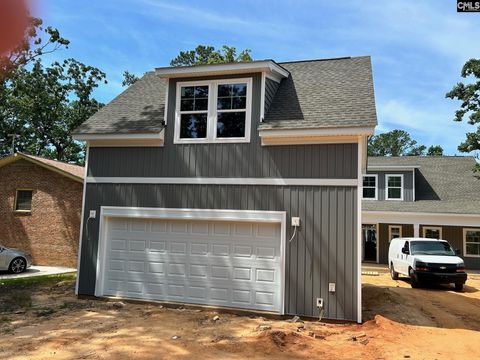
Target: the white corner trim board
pixel 254 216
pixel 360 159
pixel 222 181
pixel 84 192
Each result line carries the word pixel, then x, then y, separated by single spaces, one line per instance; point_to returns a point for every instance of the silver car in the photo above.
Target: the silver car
pixel 14 260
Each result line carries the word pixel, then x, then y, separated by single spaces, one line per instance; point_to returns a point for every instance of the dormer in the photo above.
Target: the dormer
pixel 389 182
pixel 218 103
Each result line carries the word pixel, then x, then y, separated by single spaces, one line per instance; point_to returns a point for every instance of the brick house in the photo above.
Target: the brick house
pixel 40 207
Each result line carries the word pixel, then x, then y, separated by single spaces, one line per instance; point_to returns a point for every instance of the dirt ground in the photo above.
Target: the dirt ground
pixel 48 322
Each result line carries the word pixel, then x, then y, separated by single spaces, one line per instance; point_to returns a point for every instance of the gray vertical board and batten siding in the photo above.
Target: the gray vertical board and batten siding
pixel 325 250
pixel 271 87
pixel 382 186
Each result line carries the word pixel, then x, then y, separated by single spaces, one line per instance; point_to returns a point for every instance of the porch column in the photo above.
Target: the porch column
pixel 416 230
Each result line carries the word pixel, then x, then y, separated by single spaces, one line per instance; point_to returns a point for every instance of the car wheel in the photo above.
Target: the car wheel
pixel 413 279
pixel 18 265
pixel 393 273
pixel 458 286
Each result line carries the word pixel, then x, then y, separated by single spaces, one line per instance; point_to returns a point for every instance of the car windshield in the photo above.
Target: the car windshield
pixel 431 248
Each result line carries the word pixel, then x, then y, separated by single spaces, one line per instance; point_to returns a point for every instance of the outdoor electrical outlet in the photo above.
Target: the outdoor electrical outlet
pixel 331 287
pixel 295 221
pixel 93 214
pixel 319 302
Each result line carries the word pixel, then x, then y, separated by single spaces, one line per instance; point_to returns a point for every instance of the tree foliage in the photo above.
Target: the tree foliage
pixel 129 78
pixel 435 150
pixel 209 55
pixel 399 143
pixel 469 95
pixel 44 103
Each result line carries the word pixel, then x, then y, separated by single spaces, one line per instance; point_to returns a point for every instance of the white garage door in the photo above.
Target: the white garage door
pixel 233 264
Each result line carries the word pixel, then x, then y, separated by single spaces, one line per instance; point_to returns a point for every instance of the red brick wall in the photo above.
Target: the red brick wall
pixel 50 232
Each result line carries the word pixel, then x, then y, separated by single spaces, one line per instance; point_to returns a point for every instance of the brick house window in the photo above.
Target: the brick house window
pixel 23 200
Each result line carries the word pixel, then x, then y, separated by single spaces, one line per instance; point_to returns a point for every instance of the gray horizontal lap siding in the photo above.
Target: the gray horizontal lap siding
pixel 407 183
pixel 323 252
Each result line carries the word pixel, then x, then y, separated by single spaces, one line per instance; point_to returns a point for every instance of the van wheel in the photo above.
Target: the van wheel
pixel 458 286
pixel 393 273
pixel 413 279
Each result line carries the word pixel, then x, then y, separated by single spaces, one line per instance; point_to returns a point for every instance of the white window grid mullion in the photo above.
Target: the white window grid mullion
pixel 212 111
pixel 212 105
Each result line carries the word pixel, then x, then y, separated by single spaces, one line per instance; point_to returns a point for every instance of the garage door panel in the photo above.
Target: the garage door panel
pixel 235 264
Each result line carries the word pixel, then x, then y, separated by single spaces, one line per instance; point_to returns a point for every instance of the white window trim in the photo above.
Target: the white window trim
pixel 212 112
pixel 465 242
pixel 439 228
pixel 390 227
pixel 387 176
pixel 376 186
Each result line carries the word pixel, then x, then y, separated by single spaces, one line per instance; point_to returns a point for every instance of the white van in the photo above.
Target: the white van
pixel 426 260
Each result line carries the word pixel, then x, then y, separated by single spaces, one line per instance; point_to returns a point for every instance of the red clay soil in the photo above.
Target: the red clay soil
pixel 401 323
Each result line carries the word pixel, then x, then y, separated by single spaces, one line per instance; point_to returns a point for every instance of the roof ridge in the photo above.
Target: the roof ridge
pixel 44 158
pixel 325 59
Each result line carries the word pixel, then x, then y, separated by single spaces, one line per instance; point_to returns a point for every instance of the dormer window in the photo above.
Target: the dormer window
pixel 213 111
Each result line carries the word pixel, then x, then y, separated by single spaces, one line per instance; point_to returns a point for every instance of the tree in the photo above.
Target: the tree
pixel 394 143
pixel 208 55
pixel 129 78
pixel 435 150
pixel 469 95
pixel 52 101
pixel 43 104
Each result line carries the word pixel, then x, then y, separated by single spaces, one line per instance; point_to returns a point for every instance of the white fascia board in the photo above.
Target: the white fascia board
pixel 222 181
pixel 133 136
pixel 219 69
pixel 397 217
pixel 354 131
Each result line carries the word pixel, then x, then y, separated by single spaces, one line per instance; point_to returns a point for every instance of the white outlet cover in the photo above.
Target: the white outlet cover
pixel 331 287
pixel 319 302
pixel 93 214
pixel 295 221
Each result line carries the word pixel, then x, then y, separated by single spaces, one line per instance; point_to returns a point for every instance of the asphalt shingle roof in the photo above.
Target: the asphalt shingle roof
pixel 75 171
pixel 324 94
pixel 444 184
pixel 317 94
pixel 139 109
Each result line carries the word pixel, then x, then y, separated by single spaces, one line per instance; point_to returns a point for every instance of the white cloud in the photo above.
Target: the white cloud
pixel 429 124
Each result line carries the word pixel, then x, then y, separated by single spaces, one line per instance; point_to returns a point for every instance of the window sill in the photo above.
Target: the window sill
pixel 22 212
pixel 210 141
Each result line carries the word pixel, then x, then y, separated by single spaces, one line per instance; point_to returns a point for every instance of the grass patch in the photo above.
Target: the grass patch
pixel 39 280
pixel 17 299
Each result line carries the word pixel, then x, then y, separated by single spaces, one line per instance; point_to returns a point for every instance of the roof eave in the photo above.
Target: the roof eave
pixel 314 135
pixel 268 66
pixel 19 156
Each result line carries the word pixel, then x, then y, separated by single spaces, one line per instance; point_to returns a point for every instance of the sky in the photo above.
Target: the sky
pixel 417 47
